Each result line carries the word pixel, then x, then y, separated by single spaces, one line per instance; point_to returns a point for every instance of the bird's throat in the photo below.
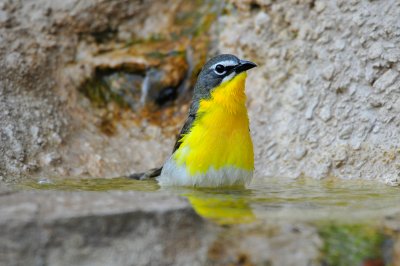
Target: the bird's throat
pixel 229 95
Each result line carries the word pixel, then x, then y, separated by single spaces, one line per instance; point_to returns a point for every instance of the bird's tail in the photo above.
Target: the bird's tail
pixel 152 173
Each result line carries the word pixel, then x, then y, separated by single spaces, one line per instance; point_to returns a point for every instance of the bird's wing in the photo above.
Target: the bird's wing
pixel 185 129
pixel 188 124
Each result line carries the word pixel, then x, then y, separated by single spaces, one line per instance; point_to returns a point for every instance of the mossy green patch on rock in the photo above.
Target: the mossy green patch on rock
pixel 163 52
pixel 100 92
pixel 142 78
pixel 349 244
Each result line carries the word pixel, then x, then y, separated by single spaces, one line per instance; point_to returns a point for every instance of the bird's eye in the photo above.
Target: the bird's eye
pixel 220 69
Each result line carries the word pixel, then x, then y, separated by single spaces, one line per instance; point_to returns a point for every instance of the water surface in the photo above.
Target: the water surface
pixel 267 199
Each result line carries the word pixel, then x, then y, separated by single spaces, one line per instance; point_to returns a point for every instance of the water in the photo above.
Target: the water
pixel 267 199
pixel 348 215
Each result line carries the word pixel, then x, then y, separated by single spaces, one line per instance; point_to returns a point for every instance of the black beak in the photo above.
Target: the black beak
pixel 244 65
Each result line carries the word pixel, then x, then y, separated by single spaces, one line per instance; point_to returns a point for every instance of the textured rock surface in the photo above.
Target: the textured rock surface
pixel 326 97
pixel 324 101
pixel 44 128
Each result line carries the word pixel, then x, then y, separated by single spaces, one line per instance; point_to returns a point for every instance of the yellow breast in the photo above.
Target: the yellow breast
pixel 220 135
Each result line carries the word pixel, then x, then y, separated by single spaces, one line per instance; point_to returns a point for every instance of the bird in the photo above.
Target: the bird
pixel 214 147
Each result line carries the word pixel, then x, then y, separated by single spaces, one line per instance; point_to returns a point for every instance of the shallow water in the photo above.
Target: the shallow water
pixel 273 200
pixel 91 184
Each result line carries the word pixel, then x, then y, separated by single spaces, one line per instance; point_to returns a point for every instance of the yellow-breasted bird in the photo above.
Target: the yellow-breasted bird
pixel 214 147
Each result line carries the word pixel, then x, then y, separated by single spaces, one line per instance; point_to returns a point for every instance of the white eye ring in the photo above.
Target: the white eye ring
pixel 219 69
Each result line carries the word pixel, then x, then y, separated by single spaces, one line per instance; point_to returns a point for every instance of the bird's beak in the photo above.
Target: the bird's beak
pixel 244 65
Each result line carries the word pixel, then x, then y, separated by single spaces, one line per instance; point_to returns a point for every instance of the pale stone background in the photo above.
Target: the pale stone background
pixel 323 102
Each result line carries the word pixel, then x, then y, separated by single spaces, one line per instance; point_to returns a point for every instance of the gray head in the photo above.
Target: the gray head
pixel 219 69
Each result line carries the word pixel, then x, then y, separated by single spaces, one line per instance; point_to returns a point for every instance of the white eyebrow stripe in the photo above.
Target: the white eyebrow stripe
pixel 225 63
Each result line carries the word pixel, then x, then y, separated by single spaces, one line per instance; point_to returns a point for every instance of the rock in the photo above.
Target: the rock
pixel 300 152
pixel 52 158
pixel 325 113
pixel 116 228
pixel 310 110
pixel 384 81
pixel 345 132
pixel 315 77
pixel 342 69
pixel 340 157
pixel 137 76
pixel 43 68
pixel 328 72
pixel 375 50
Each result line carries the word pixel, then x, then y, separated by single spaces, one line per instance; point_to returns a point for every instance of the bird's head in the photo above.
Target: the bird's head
pixel 219 69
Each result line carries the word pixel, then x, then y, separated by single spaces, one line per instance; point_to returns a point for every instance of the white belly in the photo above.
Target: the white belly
pixel 173 175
